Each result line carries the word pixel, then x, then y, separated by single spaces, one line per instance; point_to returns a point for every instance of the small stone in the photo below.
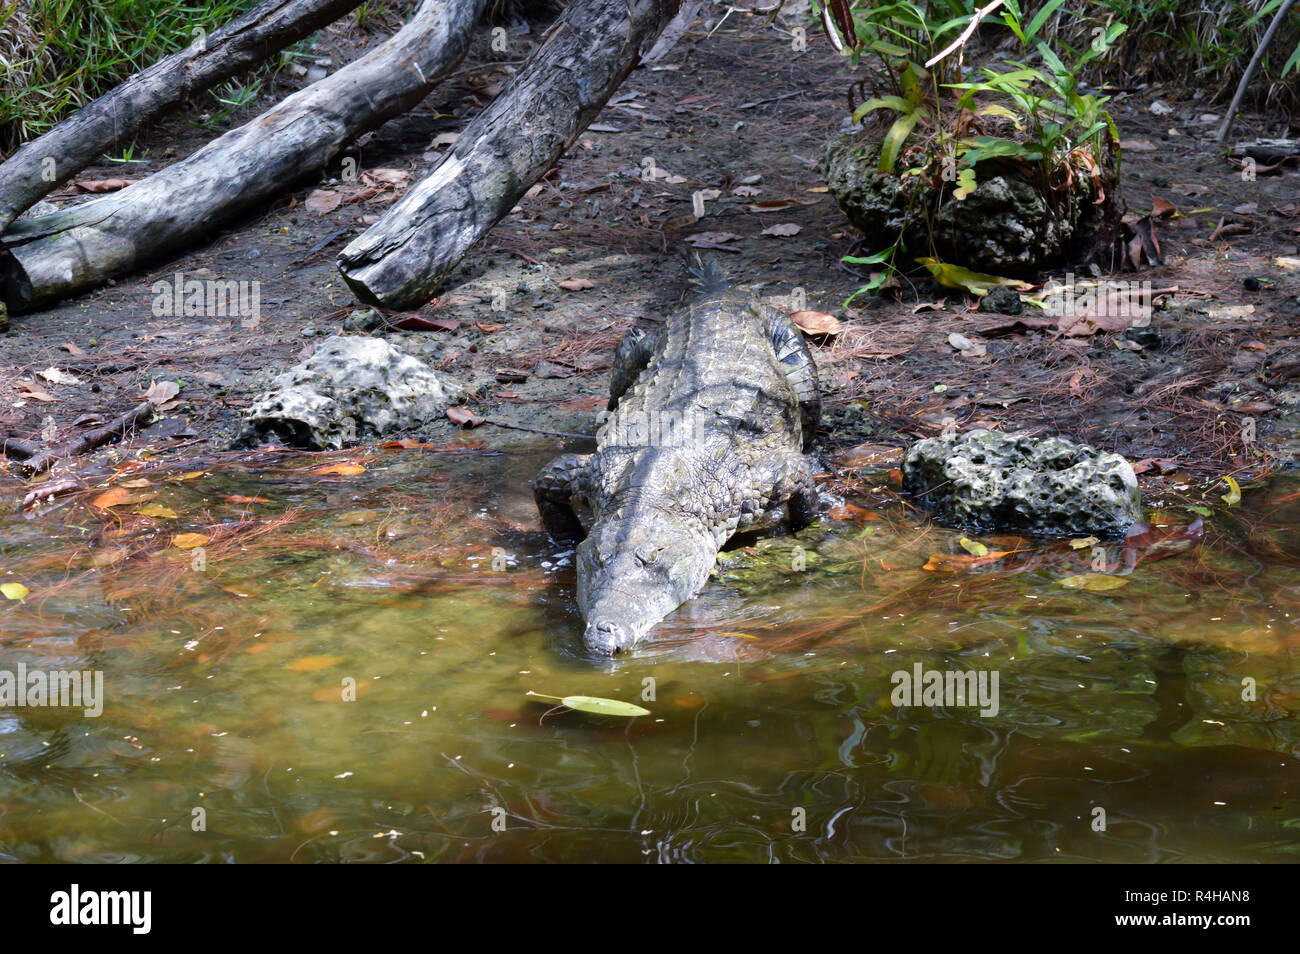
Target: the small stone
pixel 985 481
pixel 309 332
pixel 1002 300
pixel 1147 337
pixel 363 319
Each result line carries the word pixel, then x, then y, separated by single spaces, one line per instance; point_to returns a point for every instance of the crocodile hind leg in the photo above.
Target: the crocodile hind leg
pixel 556 489
pixel 630 360
pixel 797 363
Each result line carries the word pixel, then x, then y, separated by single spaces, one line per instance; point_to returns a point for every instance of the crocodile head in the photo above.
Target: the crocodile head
pixel 632 575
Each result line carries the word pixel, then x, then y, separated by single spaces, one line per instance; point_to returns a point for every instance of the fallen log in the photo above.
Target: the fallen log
pixel 400 261
pixel 61 254
pixel 43 460
pixel 46 163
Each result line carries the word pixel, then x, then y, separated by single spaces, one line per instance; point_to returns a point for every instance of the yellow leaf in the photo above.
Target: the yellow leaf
pixel 1082 542
pixel 978 283
pixel 1097 582
pixel 1233 496
pixel 188 541
pixel 14 591
pixel 973 547
pixel 157 510
pixel 345 470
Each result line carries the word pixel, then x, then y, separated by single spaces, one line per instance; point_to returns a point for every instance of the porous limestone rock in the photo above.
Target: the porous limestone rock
pixel 352 388
pixel 985 481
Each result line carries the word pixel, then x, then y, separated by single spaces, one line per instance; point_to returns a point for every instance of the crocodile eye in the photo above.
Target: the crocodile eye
pixel 648 555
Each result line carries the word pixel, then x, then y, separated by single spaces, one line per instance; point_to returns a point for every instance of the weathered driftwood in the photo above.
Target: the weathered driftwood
pixel 43 460
pixel 61 254
pixel 402 258
pixel 46 163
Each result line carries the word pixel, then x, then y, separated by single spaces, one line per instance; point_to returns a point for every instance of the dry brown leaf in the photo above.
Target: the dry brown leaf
pixel 784 230
pixel 30 389
pixel 577 284
pixel 321 201
pixel 816 323
pixel 458 415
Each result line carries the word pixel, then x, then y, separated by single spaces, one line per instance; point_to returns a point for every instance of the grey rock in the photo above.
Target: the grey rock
pixel 351 389
pixel 1002 300
pixel 984 481
pixel 363 319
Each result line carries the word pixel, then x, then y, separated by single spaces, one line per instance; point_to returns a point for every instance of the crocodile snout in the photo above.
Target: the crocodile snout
pixel 607 636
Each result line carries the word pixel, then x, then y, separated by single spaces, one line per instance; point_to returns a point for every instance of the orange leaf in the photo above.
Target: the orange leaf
pixel 347 469
pixel 952 562
pixel 312 663
pixel 188 541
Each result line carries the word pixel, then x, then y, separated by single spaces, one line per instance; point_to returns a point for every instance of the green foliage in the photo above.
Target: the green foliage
pixel 68 52
pixel 1027 113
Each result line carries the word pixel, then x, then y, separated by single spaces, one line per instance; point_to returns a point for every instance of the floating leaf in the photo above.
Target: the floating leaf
pixel 157 510
pixel 1097 582
pixel 1082 542
pixel 240 498
pixel 188 541
pixel 343 470
pixel 598 706
pixel 973 547
pixel 14 591
pixel 1233 496
pixel 117 497
pixel 594 705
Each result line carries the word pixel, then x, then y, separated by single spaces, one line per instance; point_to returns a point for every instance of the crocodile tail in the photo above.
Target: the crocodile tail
pixel 707 276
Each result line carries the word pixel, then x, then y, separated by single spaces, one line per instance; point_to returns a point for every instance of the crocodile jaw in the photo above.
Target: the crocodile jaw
pixel 631 577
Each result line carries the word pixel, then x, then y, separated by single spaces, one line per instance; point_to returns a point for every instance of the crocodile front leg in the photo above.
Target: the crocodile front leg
pixel 786 496
pixel 555 489
pixel 630 359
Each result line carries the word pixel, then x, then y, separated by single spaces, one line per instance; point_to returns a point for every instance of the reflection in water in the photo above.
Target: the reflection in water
pixel 424 590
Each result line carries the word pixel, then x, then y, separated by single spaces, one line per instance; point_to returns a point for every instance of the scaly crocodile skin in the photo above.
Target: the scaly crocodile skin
pixel 709 417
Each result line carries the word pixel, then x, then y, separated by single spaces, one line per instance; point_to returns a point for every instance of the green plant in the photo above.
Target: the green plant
pixel 58 55
pixel 1034 116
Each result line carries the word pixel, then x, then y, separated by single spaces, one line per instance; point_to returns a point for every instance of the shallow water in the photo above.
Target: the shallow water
pixel 225 736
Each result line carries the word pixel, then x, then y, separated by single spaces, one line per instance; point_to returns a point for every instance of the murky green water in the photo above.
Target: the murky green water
pixel 773 735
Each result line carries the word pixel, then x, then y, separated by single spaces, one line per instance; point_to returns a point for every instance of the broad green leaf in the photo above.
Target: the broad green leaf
pixel 894 139
pixel 973 547
pixel 880 102
pixel 598 706
pixel 1040 18
pixel 1097 582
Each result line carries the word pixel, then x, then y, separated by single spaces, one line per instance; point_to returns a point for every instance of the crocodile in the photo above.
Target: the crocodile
pixel 708 418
